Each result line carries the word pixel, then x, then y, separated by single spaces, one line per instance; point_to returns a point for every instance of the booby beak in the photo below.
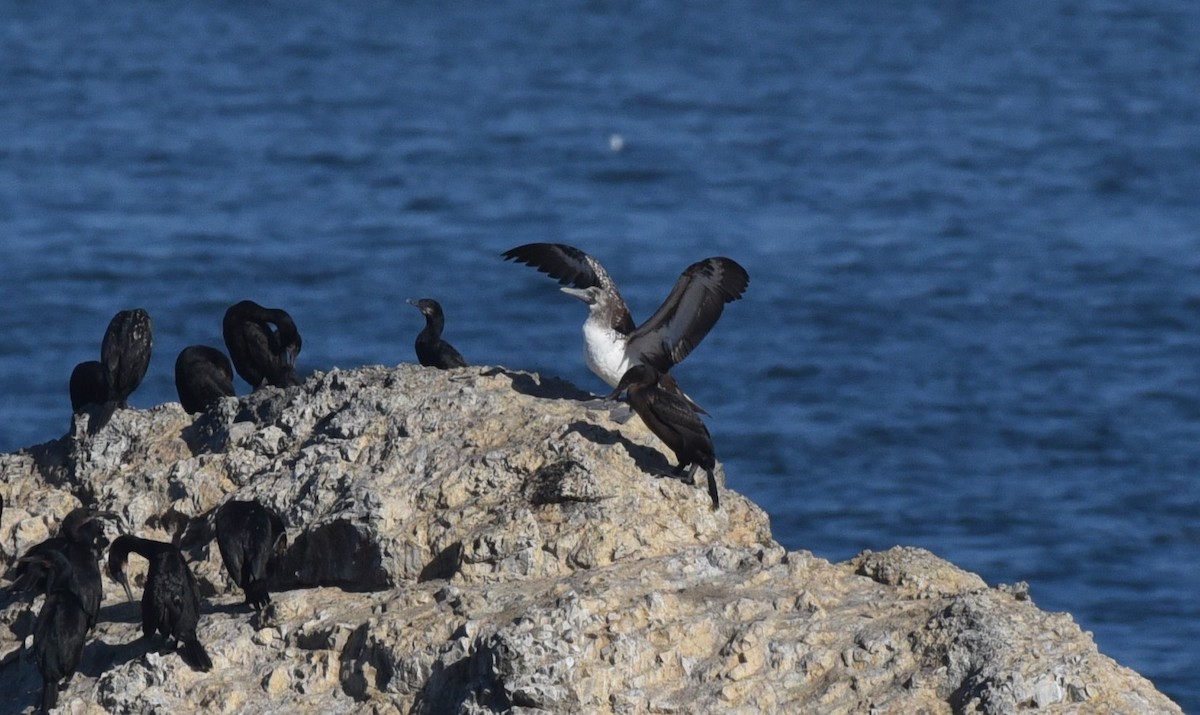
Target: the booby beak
pixel 580 293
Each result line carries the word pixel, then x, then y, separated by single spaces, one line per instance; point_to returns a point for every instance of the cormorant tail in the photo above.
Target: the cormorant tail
pixel 194 655
pixel 49 696
pixel 712 488
pixel 102 417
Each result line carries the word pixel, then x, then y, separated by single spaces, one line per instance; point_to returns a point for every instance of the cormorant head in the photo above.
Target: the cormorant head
pixel 635 377
pixel 428 306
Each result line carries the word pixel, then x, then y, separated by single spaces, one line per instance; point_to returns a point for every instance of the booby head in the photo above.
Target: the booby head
pixel 592 295
pixel 604 304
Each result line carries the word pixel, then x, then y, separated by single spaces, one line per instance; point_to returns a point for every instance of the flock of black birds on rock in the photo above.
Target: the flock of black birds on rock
pixel 263 345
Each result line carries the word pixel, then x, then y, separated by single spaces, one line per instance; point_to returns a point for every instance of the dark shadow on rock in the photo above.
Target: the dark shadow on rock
pixel 123 611
pixel 99 656
pixel 207 434
pixel 265 405
pixel 549 388
pixel 54 460
pixel 468 679
pixel 333 554
pixel 647 459
pixel 358 653
pixel 236 608
pixel 557 482
pixel 444 565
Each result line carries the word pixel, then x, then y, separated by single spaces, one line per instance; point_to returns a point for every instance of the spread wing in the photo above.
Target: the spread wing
pixel 689 312
pixel 566 264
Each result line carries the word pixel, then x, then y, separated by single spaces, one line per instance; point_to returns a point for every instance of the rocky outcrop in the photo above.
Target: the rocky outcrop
pixel 482 540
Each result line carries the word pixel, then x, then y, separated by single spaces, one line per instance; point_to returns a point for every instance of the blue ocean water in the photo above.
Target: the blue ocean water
pixel 972 232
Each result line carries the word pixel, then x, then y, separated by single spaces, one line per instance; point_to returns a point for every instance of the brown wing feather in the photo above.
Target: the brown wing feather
pixel 673 421
pixel 566 264
pixel 689 312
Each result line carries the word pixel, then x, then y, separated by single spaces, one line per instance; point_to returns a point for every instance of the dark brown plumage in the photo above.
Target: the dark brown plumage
pixel 612 342
pixel 263 344
pixel 249 536
pixel 673 420
pixel 170 598
pixel 203 375
pixel 432 350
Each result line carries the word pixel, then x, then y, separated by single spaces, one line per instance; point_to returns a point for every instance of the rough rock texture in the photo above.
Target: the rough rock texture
pixel 482 540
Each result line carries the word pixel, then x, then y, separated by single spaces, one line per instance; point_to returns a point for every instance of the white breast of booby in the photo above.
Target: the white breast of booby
pixel 605 350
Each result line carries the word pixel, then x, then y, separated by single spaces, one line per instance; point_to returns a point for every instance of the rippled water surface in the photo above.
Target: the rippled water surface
pixel 972 230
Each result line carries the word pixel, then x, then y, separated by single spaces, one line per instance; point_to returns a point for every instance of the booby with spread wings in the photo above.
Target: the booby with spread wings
pixel 612 343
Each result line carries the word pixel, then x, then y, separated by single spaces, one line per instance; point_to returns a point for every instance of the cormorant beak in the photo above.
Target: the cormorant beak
pixel 615 394
pixel 128 592
pixel 417 304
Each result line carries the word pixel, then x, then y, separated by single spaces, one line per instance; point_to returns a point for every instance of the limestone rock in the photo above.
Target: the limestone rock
pixel 481 540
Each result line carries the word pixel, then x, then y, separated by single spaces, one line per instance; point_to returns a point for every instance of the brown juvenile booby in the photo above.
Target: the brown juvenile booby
pixel 669 416
pixel 612 343
pixel 203 375
pixel 263 344
pixel 432 350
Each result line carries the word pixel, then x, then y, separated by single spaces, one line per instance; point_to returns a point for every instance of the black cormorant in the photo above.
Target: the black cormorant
pixel 248 535
pixel 432 351
pixel 170 599
pixel 203 375
pixel 125 353
pixel 612 344
pixel 62 625
pixel 263 344
pixel 89 385
pixel 671 419
pixel 81 541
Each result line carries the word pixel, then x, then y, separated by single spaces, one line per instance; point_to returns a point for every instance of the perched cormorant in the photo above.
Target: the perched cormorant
pixel 432 351
pixel 125 353
pixel 203 375
pixel 81 541
pixel 89 385
pixel 612 344
pixel 170 599
pixel 248 535
pixel 671 419
pixel 62 625
pixel 263 344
